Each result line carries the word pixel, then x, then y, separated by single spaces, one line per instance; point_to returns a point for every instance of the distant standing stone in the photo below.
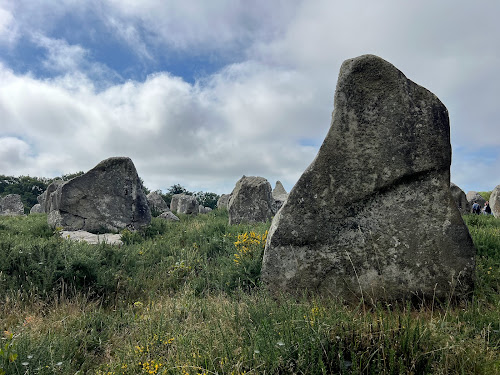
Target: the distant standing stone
pixel 156 203
pixel 109 197
pixel 203 209
pixel 251 201
pixel 169 216
pixel 372 217
pixel 223 201
pixel 495 201
pixel 279 195
pixel 11 205
pixel 184 204
pixel 37 209
pixel 460 199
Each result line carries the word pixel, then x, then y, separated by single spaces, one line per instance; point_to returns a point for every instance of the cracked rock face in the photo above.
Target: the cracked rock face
pixel 109 197
pixel 372 217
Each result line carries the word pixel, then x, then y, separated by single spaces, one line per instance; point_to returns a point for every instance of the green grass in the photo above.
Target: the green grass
pixel 182 298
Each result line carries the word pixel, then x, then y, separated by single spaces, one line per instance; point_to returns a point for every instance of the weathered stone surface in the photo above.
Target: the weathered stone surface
pixel 109 197
pixel 184 204
pixel 495 201
pixel 460 199
pixel 372 217
pixel 37 209
pixel 168 216
pixel 46 199
pixel 94 239
pixel 475 197
pixel 279 195
pixel 156 203
pixel 11 205
pixel 251 201
pixel 223 201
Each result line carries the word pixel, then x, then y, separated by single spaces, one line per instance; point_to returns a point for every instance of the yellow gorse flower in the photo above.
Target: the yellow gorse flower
pixel 247 243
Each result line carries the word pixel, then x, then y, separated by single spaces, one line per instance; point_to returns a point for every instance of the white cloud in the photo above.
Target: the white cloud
pixel 61 57
pixel 203 136
pixel 8 29
pixel 14 153
pixel 199 26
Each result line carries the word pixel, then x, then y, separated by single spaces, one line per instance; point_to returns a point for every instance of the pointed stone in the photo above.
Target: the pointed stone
pixel 372 217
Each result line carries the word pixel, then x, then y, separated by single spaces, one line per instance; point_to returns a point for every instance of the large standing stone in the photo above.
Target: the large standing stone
pixel 11 205
pixel 156 203
pixel 460 199
pixel 372 217
pixel 184 204
pixel 109 197
pixel 223 201
pixel 251 201
pixel 495 201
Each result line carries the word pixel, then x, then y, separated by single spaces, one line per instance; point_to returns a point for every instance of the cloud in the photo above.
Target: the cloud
pixel 201 135
pixel 8 29
pixel 205 26
pixel 61 57
pixel 14 153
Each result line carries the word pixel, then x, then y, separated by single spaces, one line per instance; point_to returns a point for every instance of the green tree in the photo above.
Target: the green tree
pixel 207 199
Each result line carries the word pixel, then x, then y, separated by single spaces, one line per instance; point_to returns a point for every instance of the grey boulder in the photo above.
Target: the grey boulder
pixel 91 238
pixel 169 216
pixel 107 198
pixel 460 199
pixel 223 201
pixel 11 205
pixel 184 204
pixel 251 201
pixel 372 218
pixel 495 201
pixel 37 209
pixel 156 203
pixel 203 209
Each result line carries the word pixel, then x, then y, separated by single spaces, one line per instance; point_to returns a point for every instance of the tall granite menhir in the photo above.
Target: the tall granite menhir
pixel 109 197
pixel 372 217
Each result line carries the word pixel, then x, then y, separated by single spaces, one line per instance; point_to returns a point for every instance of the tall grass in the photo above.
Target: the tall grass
pixel 185 298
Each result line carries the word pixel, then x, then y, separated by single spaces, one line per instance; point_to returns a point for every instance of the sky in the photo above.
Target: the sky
pixel 199 93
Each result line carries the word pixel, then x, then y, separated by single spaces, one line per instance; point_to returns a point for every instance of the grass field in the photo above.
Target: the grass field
pixel 184 298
